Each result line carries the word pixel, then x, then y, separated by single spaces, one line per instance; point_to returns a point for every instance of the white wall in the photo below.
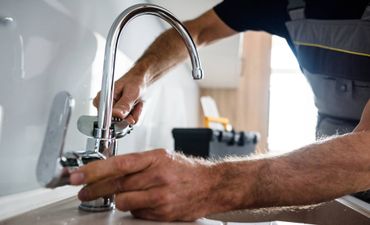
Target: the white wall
pixel 58 45
pixel 222 59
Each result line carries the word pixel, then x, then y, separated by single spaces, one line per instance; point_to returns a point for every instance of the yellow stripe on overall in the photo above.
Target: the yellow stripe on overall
pixel 331 48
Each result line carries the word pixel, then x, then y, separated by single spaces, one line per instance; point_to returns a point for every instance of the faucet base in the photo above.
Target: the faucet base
pixel 98 205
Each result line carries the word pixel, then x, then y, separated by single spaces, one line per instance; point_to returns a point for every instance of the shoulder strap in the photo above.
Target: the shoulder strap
pixel 296 9
pixel 366 14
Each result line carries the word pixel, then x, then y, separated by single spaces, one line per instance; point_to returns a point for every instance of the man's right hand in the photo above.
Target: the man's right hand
pixel 164 53
pixel 127 102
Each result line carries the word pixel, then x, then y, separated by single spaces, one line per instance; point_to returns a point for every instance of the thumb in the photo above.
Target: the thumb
pixel 123 107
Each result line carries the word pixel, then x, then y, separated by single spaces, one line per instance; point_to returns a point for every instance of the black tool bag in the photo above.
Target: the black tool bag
pixel 215 144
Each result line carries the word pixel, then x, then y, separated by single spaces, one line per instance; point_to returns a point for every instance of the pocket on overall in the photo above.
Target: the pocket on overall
pixel 338 97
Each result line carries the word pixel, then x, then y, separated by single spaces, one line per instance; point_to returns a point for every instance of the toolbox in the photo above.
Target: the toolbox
pixel 214 144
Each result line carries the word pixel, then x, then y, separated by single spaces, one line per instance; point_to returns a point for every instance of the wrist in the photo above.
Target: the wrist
pixel 236 184
pixel 138 74
pixel 143 69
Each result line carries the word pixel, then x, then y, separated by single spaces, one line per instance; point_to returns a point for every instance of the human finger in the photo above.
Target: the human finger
pixel 116 94
pixel 123 106
pixel 136 112
pixel 135 200
pixel 112 167
pixel 134 182
pixel 134 115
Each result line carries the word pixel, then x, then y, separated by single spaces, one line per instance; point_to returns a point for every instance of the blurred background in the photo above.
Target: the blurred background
pixel 53 45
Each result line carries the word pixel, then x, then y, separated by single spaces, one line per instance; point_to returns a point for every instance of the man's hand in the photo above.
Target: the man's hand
pixel 154 185
pixel 161 186
pixel 167 51
pixel 127 94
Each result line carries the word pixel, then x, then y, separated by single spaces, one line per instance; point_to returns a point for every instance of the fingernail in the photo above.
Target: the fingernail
pixel 124 113
pixel 77 178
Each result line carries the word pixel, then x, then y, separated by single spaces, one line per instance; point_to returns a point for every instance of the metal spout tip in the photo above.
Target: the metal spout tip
pixel 198 74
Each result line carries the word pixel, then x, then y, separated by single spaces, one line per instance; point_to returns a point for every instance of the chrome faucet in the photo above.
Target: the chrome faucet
pixel 106 95
pixel 103 131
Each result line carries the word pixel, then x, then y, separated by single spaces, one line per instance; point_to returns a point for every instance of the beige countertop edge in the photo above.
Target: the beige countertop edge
pixel 67 212
pixel 16 204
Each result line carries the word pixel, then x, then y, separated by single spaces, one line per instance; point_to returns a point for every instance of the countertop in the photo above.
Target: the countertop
pixel 342 211
pixel 66 212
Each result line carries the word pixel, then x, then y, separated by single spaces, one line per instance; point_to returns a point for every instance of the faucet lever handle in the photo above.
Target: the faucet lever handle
pixel 85 124
pixel 49 171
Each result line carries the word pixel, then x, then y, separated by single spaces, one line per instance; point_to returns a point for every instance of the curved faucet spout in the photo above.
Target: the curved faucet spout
pixel 106 95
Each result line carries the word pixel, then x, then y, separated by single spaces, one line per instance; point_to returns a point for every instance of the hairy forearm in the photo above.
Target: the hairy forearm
pixel 164 53
pixel 315 173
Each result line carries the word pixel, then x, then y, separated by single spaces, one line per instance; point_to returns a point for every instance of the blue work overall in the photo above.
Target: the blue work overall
pixel 334 56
